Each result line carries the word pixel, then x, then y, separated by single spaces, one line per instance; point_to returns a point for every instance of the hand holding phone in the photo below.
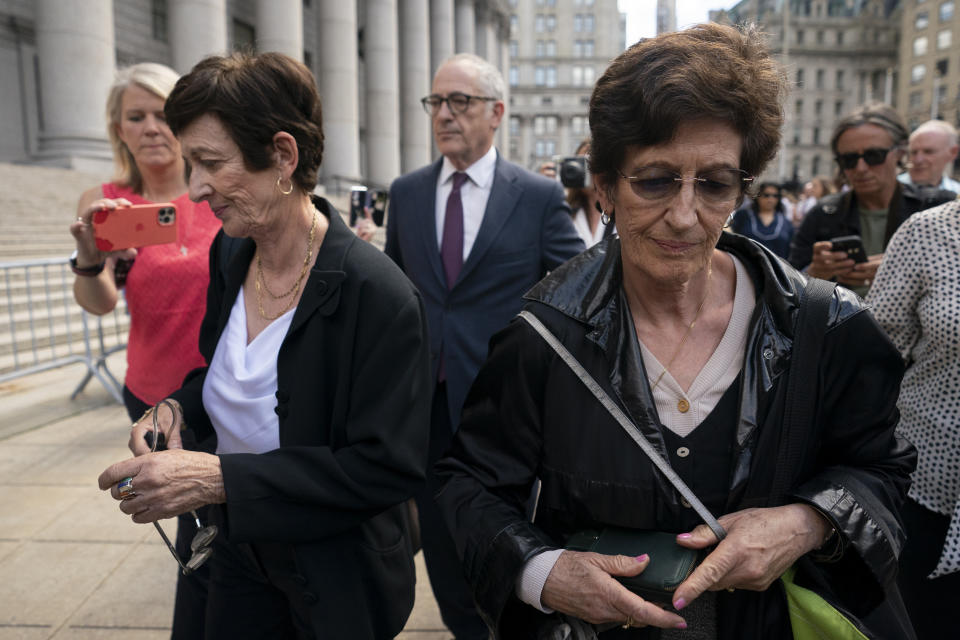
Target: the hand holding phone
pixel 851 245
pixel 138 225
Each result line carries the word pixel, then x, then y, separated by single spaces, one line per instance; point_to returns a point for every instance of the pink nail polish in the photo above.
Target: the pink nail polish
pixel 679 603
pixel 684 536
pixel 681 625
pixel 642 558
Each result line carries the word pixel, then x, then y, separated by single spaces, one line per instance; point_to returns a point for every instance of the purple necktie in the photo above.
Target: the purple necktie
pixel 451 245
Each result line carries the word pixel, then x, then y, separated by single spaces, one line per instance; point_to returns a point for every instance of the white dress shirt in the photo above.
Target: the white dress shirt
pixel 582 224
pixel 945 183
pixel 474 194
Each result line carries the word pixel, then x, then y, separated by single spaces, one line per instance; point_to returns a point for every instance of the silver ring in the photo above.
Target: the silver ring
pixel 866 282
pixel 125 488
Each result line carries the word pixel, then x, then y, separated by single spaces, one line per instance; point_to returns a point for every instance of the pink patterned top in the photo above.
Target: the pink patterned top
pixel 166 295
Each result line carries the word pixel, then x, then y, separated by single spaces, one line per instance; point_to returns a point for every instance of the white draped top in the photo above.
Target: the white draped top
pixel 239 392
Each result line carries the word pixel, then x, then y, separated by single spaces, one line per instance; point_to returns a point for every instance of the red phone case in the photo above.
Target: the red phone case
pixel 138 225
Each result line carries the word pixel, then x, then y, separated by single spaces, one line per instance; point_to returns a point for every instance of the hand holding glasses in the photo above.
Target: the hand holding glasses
pixel 200 545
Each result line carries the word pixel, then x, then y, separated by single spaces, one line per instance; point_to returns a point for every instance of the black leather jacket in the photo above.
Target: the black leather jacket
pixel 836 215
pixel 528 417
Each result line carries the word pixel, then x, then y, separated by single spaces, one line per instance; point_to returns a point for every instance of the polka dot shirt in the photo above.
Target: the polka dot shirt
pixel 916 299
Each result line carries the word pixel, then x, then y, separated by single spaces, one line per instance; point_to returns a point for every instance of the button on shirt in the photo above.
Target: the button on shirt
pixel 474 194
pixel 682 412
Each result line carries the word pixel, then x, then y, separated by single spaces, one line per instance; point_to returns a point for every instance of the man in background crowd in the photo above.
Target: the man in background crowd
pixel 932 150
pixel 473 232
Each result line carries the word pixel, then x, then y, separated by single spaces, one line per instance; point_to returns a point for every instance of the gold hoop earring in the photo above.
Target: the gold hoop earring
pixel 285 192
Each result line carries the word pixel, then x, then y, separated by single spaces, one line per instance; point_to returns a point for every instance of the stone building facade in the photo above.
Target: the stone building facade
pixel 930 61
pixel 838 54
pixel 373 60
pixel 558 49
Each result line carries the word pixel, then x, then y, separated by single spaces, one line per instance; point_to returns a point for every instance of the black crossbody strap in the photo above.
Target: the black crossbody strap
pixel 802 384
pixel 624 421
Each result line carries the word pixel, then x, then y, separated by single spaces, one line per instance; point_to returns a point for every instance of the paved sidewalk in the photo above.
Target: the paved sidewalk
pixel 72 567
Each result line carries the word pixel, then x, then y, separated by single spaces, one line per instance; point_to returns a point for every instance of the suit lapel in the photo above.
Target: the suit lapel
pixel 504 194
pixel 424 197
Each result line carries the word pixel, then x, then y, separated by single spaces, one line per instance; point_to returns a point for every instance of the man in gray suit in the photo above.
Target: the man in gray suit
pixel 473 232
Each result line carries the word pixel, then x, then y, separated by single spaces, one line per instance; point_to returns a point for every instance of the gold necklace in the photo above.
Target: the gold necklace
pixel 685 333
pixel 261 282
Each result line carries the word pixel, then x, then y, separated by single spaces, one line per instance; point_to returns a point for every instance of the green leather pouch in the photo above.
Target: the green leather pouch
pixel 670 564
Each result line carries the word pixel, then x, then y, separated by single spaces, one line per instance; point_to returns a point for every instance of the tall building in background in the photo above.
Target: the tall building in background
pixel 666 16
pixel 373 60
pixel 838 54
pixel 557 50
pixel 929 66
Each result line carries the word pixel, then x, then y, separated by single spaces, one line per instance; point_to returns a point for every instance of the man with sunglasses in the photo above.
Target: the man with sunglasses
pixel 868 144
pixel 474 233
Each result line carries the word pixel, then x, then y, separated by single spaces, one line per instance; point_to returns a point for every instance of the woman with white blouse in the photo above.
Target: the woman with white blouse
pixel 916 299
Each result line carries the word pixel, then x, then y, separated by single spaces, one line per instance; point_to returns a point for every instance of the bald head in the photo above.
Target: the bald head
pixel 933 146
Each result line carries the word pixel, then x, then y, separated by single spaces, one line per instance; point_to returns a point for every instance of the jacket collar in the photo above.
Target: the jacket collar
pixel 587 287
pixel 321 291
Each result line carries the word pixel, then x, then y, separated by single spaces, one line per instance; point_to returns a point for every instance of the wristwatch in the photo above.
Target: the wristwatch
pixel 84 271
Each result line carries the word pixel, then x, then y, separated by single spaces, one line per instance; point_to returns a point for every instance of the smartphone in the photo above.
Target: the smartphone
pixel 358 200
pixel 138 225
pixel 852 245
pixel 378 199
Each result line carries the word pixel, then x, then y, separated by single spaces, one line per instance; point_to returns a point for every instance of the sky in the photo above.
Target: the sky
pixel 642 15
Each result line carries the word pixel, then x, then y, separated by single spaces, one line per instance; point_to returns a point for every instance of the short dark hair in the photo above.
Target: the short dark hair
pixel 254 97
pixel 708 71
pixel 875 113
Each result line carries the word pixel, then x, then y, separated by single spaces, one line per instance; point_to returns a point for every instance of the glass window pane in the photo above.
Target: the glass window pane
pixel 920 45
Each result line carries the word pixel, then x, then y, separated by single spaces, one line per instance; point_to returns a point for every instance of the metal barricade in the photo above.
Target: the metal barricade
pixel 45 328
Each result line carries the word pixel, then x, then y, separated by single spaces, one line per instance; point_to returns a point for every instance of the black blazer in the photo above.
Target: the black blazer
pixel 353 404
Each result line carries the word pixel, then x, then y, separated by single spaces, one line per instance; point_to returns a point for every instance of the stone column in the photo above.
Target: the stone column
pixel 382 91
pixel 198 28
pixel 527 149
pixel 337 80
pixel 75 51
pixel 566 145
pixel 415 80
pixel 280 27
pixel 486 35
pixel 466 20
pixel 441 33
pixel 503 63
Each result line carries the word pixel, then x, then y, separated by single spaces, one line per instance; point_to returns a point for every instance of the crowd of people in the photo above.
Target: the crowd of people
pixel 628 360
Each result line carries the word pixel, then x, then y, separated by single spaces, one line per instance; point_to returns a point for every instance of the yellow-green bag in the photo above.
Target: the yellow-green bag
pixel 812 617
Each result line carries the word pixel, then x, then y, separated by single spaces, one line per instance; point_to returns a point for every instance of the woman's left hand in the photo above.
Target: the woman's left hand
pixel 760 545
pixel 166 483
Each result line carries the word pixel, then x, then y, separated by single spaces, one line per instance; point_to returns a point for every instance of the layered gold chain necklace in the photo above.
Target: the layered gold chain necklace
pixel 292 292
pixel 687 332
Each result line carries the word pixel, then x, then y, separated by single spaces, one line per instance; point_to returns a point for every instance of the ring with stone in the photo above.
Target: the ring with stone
pixel 628 623
pixel 125 488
